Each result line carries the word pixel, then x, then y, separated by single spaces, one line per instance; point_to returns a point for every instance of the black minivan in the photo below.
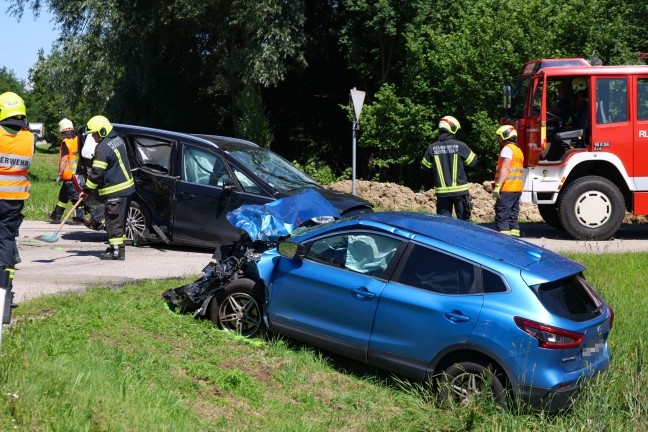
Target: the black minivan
pixel 186 184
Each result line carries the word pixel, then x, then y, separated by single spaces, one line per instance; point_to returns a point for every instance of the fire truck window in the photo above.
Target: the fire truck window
pixel 611 100
pixel 642 99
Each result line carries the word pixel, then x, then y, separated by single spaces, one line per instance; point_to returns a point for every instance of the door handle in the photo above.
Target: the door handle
pixel 361 293
pixel 186 195
pixel 456 316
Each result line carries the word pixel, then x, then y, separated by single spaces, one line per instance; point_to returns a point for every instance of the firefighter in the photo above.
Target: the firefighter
pixel 507 188
pixel 111 177
pixel 446 159
pixel 68 157
pixel 16 153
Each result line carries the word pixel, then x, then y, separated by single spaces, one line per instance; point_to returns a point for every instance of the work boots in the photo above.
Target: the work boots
pixel 55 216
pixel 114 253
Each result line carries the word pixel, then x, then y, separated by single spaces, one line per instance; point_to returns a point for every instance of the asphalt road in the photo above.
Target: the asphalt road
pixel 72 262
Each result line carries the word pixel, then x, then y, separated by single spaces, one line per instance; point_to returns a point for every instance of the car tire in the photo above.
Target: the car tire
pixel 465 382
pixel 549 214
pixel 239 309
pixel 591 208
pixel 138 222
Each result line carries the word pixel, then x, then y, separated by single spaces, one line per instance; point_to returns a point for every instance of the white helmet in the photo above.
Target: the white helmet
pixel 450 124
pixel 65 125
pixel 579 83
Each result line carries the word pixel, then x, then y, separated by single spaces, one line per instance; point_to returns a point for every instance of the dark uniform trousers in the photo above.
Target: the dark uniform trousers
pixel 115 209
pixel 462 206
pixel 507 209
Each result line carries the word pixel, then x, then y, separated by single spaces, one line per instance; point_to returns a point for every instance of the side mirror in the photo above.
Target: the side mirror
pixel 506 90
pixel 291 250
pixel 228 184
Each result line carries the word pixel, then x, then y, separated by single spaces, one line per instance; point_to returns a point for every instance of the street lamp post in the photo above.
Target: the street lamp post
pixel 357 100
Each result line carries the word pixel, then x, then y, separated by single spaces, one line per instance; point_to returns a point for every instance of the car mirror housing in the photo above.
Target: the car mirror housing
pixel 228 184
pixel 291 250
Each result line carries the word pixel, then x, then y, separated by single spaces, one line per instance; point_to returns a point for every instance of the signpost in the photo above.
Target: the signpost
pixel 357 100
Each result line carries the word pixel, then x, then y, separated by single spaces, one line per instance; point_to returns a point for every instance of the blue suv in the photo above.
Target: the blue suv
pixel 432 298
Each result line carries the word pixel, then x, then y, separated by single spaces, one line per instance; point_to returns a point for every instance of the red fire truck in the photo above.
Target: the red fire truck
pixel 583 130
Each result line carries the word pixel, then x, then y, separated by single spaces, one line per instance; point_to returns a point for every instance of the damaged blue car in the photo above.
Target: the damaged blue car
pixel 461 307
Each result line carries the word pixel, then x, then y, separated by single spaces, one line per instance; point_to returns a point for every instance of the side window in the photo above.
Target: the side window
pixel 434 271
pixel 611 100
pixel 493 283
pixel 642 99
pixel 152 153
pixel 246 182
pixel 367 253
pixel 203 167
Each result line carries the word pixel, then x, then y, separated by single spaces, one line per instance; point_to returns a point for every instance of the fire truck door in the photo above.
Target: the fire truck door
pixel 641 134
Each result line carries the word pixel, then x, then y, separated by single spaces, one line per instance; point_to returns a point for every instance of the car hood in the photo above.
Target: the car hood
pixel 342 201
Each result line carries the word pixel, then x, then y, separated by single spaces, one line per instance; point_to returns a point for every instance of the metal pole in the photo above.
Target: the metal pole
pixel 353 159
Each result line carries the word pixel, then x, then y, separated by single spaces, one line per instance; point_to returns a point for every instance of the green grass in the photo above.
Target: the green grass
pixel 44 191
pixel 118 360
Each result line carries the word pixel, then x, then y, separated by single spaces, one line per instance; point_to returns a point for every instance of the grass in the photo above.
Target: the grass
pixel 118 360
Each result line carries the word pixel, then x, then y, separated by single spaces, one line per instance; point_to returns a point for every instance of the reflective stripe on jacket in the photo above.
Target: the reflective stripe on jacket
pixel 446 159
pixel 72 145
pixel 16 153
pixel 513 182
pixel 110 171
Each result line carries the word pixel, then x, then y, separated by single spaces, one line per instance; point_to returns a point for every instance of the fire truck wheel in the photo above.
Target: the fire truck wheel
pixel 549 213
pixel 591 208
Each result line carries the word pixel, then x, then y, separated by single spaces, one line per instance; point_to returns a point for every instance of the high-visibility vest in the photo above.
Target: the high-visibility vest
pixel 513 182
pixel 72 145
pixel 16 153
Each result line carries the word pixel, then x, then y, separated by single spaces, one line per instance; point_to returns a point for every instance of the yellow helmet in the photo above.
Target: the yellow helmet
pixel 507 133
pixel 11 105
pixel 99 124
pixel 450 124
pixel 65 125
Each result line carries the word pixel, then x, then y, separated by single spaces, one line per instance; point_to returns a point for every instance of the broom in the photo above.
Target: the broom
pixel 54 237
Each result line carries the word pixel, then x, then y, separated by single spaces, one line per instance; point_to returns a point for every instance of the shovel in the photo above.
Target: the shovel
pixel 54 237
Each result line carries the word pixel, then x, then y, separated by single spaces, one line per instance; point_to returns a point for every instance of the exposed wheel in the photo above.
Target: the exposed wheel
pixel 466 382
pixel 238 310
pixel 591 208
pixel 549 213
pixel 137 224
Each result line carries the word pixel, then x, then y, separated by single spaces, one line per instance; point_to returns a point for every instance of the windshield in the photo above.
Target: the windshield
pixel 272 168
pixel 518 98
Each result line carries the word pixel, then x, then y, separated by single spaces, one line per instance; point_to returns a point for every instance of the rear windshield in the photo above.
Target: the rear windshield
pixel 572 298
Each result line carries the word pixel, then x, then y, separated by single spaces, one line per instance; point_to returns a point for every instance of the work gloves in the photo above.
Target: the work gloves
pixel 58 180
pixel 496 191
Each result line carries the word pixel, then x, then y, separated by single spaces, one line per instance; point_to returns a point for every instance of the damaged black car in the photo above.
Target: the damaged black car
pixel 186 184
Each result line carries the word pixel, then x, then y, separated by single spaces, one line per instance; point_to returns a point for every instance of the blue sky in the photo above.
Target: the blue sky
pixel 20 41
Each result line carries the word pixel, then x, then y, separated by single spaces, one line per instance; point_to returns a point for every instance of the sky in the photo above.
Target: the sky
pixel 20 41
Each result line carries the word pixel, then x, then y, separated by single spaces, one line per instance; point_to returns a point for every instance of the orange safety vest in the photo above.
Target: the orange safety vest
pixel 16 153
pixel 513 182
pixel 72 145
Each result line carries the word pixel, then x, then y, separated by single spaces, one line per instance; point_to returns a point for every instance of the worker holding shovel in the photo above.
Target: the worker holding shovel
pixel 111 177
pixel 16 153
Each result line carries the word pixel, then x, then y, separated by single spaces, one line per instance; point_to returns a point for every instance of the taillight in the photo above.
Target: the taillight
pixel 549 337
pixel 611 316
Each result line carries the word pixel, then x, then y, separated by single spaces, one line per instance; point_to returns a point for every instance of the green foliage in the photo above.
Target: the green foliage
pixel 9 82
pixel 322 174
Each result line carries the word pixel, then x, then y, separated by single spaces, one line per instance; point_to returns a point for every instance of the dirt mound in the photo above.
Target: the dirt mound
pixel 390 196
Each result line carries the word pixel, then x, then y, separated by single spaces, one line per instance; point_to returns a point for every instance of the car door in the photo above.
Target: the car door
pixel 206 191
pixel 433 301
pixel 330 297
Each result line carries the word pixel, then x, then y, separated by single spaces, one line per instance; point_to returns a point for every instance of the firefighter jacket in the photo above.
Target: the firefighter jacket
pixel 513 181
pixel 69 148
pixel 446 159
pixel 16 153
pixel 110 172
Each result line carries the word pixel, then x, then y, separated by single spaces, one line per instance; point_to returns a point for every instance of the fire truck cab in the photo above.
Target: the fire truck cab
pixel 583 130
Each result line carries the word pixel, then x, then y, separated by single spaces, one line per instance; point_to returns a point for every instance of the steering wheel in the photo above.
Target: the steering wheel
pixel 554 118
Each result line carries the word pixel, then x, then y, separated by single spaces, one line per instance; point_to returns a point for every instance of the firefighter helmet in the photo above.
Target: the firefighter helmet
pixel 507 133
pixel 450 124
pixel 11 105
pixel 65 125
pixel 579 83
pixel 99 124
